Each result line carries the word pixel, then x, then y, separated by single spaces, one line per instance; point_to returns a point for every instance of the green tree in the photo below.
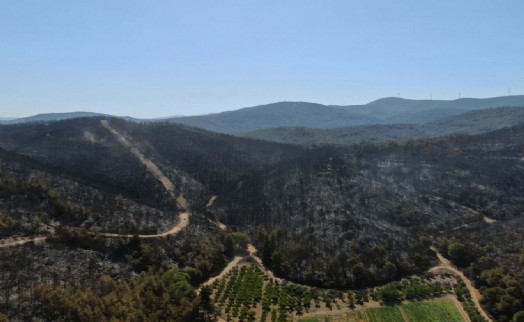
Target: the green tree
pixel 457 253
pixel 518 317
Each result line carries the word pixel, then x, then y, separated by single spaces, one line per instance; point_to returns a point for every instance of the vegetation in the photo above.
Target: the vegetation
pixel 159 296
pixel 495 265
pixel 246 291
pixel 390 314
pixel 432 311
pixel 426 311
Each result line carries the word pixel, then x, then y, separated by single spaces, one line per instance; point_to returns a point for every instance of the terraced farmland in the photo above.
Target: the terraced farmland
pixel 245 294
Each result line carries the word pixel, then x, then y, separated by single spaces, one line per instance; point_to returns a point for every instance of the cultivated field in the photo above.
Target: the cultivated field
pixel 247 294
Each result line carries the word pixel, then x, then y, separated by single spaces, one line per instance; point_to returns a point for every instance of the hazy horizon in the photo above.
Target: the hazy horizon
pixel 174 58
pixel 7 117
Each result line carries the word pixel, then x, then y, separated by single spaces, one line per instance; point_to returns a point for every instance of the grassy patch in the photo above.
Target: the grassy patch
pixel 385 314
pixel 432 311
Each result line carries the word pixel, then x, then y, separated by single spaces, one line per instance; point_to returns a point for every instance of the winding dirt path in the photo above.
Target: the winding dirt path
pixel 150 165
pixel 488 220
pixel 446 266
pixel 183 221
pixel 252 253
pixel 258 261
pixel 183 217
pixel 223 273
pixel 11 243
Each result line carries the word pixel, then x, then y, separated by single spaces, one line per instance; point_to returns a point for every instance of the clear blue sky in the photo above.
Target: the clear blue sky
pixel 160 58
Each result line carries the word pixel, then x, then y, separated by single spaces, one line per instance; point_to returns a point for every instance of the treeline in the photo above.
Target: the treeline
pixel 159 296
pixel 357 267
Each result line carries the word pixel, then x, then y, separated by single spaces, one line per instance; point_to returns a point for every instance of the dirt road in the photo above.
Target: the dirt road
pixel 252 253
pixel 183 217
pixel 21 241
pixel 183 221
pixel 150 165
pixel 224 272
pixel 446 266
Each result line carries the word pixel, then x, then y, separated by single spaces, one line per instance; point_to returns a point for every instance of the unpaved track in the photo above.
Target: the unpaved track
pixel 252 253
pixel 258 261
pixel 22 241
pixel 183 221
pixel 218 223
pixel 211 201
pixel 488 220
pixel 236 260
pixel 446 266
pixel 226 270
pixel 183 217
pixel 150 165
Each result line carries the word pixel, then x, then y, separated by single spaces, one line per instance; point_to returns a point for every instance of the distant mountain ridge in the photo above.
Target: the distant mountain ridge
pixel 472 122
pixel 401 110
pixel 277 114
pixel 390 110
pixel 48 117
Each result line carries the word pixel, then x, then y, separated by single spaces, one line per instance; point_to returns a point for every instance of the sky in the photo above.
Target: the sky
pixel 161 58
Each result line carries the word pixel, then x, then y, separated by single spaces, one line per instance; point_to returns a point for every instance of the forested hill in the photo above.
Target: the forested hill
pixel 389 110
pixel 393 110
pixel 50 117
pixel 301 114
pixel 278 114
pixel 472 122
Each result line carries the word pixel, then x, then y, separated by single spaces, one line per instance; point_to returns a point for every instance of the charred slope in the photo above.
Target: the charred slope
pixel 362 216
pixel 83 150
pixel 36 199
pixel 219 161
pixel 198 162
pixel 328 216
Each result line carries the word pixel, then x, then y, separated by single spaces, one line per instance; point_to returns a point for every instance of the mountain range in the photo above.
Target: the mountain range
pixel 302 114
pixel 472 122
